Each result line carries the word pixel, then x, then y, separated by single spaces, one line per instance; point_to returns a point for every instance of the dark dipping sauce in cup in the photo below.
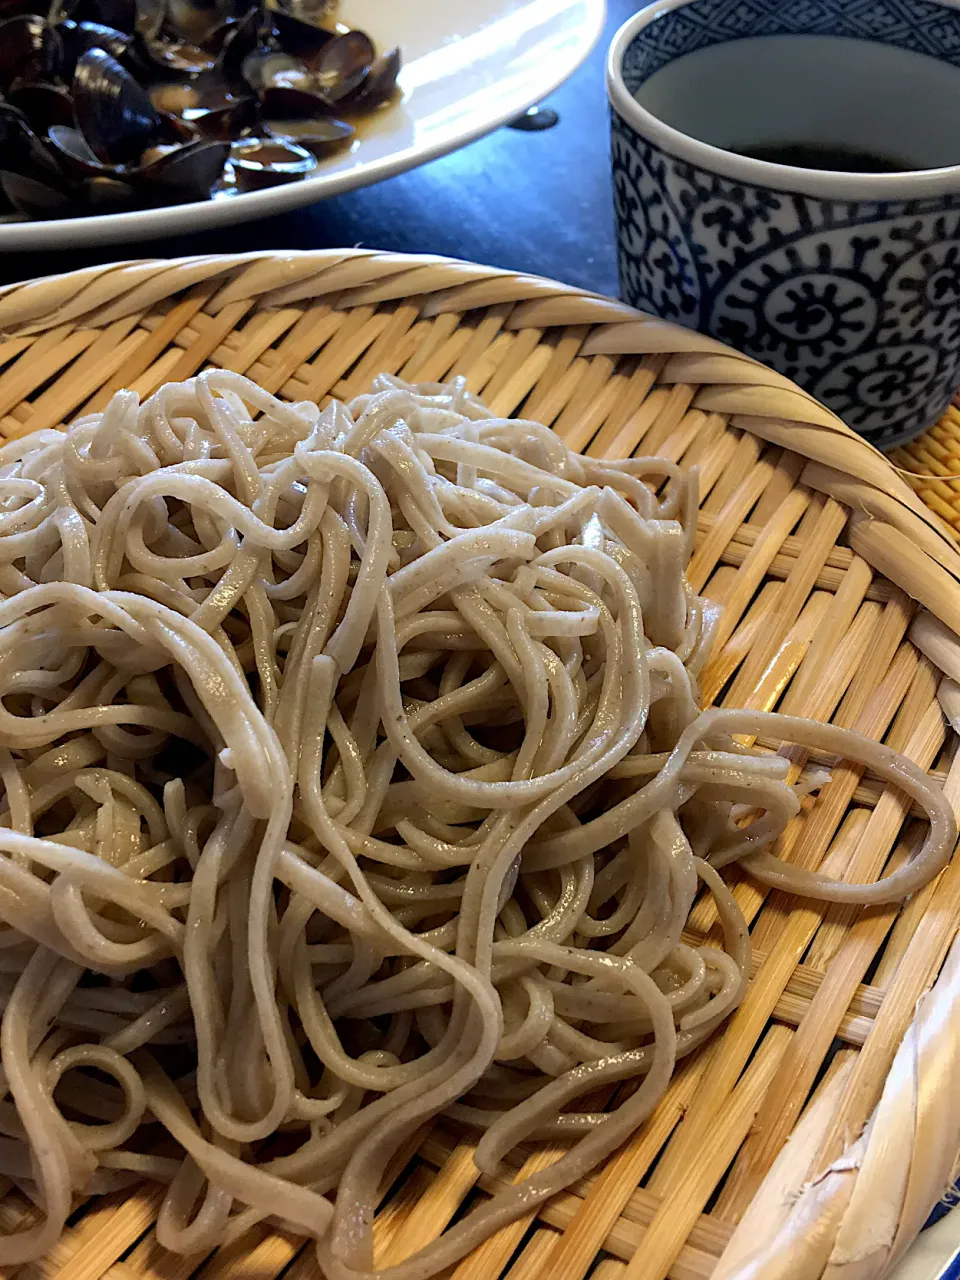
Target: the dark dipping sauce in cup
pixel 811 155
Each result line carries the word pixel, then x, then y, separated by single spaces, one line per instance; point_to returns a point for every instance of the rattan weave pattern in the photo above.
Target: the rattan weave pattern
pixel 821 555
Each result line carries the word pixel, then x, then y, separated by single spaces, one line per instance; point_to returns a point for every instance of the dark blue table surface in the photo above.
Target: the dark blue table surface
pixel 537 202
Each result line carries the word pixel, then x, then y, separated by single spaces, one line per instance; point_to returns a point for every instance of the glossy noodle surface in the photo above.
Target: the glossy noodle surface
pixel 354 772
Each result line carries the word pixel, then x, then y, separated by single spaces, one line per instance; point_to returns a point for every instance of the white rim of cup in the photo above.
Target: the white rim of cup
pixel 912 184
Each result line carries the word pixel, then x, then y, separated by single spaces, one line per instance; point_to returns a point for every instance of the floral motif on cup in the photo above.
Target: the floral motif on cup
pixel 919 25
pixel 858 301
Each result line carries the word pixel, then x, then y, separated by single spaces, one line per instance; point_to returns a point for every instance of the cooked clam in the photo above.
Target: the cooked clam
pixel 21 149
pixel 299 35
pixel 107 194
pixel 240 40
pixel 110 104
pixel 44 105
pixel 343 63
pixel 196 20
pixel 180 174
pixel 208 105
pixel 73 152
pixel 78 37
pixel 173 58
pixel 114 114
pixel 30 51
pixel 267 68
pixel 322 138
pixel 377 87
pixel 268 162
pixel 27 195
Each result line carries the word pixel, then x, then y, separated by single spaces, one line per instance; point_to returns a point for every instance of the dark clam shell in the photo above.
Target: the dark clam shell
pixel 78 37
pixel 241 40
pixel 196 20
pixel 27 195
pixel 343 64
pixel 44 105
pixel 286 87
pixel 104 194
pixel 114 114
pixel 22 151
pixel 298 36
pixel 74 154
pixel 269 162
pixel 175 131
pixel 322 138
pixel 293 104
pixel 207 106
pixel 30 51
pixel 227 122
pixel 173 59
pixel 184 173
pixel 267 68
pixel 377 87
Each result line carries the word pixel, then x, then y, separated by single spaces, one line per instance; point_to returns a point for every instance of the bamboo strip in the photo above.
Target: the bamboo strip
pixel 684 1193
pixel 148 351
pixel 436 1206
pixel 626 1236
pixel 798 586
pixel 576 1249
pixel 530 1264
pixel 729 518
pixel 97 364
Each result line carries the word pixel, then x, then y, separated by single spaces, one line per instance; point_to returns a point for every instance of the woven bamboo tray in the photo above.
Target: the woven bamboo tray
pixel 823 558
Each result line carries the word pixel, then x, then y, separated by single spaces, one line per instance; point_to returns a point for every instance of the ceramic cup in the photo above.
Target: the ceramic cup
pixel 846 281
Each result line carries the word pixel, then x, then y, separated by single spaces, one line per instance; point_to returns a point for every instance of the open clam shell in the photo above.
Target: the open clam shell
pixel 196 20
pixel 104 194
pixel 73 152
pixel 269 162
pixel 172 172
pixel 30 196
pixel 183 173
pixel 21 149
pixel 30 51
pixel 114 114
pixel 245 36
pixel 322 138
pixel 78 37
pixel 377 87
pixel 343 63
pixel 208 105
pixel 299 36
pixel 44 105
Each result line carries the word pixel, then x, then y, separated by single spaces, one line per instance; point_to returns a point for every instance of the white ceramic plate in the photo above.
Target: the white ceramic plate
pixel 469 66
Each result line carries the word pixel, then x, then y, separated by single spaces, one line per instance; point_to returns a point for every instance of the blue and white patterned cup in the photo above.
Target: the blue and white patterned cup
pixel 847 282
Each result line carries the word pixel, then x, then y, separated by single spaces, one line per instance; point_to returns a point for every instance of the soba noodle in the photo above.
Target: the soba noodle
pixel 354 773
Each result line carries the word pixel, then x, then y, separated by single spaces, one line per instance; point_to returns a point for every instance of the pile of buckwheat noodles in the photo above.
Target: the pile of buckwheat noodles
pixel 354 773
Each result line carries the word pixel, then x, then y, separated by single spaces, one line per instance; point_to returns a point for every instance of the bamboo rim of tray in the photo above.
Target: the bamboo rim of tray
pixel 775 1153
